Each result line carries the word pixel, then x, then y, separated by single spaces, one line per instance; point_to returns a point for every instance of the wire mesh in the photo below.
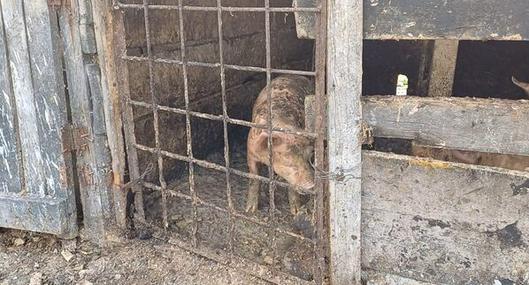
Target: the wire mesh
pixel 155 107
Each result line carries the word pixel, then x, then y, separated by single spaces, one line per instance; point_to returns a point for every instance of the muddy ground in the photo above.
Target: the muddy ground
pixel 29 258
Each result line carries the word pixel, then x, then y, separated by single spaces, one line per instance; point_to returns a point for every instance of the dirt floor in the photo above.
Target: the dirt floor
pixel 28 258
pixel 251 238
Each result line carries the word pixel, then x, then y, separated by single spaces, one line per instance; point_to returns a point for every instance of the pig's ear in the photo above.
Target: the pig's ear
pixel 523 85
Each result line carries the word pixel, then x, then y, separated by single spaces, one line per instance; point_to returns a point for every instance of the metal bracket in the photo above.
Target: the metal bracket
pixel 75 138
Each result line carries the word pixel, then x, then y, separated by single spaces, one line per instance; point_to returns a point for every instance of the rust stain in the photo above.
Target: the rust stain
pixel 428 163
pixel 116 179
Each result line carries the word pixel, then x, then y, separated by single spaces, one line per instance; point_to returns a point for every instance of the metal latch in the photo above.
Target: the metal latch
pixel 59 3
pixel 75 138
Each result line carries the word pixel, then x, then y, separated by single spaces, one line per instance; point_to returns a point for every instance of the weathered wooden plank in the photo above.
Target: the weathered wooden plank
pixel 482 125
pixel 23 91
pixel 486 125
pixel 433 19
pixel 46 215
pixel 48 84
pixel 109 56
pixel 93 159
pixel 344 87
pixel 443 68
pixel 9 161
pixel 444 222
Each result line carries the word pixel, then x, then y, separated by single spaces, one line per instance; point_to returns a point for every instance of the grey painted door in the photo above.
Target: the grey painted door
pixel 36 192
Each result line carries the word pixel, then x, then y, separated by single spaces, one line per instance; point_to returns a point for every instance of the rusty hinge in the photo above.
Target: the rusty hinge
pixel 75 138
pixel 59 3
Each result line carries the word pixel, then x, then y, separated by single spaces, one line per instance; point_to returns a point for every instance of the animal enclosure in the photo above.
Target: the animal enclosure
pixel 415 189
pixel 192 75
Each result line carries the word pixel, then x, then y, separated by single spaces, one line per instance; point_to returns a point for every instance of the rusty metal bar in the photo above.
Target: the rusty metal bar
pixel 231 208
pixel 189 135
pixel 120 5
pixel 272 185
pixel 214 166
pixel 320 58
pixel 221 118
pixel 154 108
pixel 217 65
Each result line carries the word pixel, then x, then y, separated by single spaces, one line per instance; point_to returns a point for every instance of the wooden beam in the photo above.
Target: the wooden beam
pixel 443 68
pixel 433 19
pixel 344 87
pixel 486 125
pixel 444 222
pixel 105 21
pixel 483 125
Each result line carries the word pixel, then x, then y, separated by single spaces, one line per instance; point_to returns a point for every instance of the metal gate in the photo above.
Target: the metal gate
pixel 36 191
pixel 154 107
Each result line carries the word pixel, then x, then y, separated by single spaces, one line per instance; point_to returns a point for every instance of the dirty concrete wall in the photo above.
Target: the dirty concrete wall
pixel 243 44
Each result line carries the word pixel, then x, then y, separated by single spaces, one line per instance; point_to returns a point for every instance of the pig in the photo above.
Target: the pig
pixel 514 162
pixel 291 153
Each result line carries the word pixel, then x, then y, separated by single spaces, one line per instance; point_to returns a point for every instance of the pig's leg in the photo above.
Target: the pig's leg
pixel 252 200
pixel 294 201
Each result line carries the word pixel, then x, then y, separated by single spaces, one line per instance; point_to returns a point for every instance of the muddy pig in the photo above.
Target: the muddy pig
pixel 514 162
pixel 290 153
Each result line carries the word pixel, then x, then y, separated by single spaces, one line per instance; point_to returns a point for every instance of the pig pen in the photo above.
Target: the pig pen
pixel 179 93
pixel 188 110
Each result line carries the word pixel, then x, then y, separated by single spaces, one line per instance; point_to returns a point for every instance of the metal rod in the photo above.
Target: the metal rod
pixel 231 209
pixel 120 5
pixel 216 65
pixel 221 118
pixel 272 185
pixel 214 166
pixel 320 234
pixel 155 114
pixel 189 135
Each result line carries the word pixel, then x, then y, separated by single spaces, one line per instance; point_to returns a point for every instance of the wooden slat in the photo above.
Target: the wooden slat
pixel 93 161
pixel 482 125
pixel 443 68
pixel 486 125
pixel 9 166
pixel 48 84
pixel 28 123
pixel 344 87
pixel 444 222
pixel 433 19
pixel 35 214
pixel 108 57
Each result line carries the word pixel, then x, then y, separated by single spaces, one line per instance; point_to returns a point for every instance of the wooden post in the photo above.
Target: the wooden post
pixel 344 87
pixel 443 67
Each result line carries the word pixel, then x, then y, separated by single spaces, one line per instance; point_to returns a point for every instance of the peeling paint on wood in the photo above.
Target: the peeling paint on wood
pixel 453 225
pixel 46 201
pixel 48 89
pixel 18 50
pixel 9 160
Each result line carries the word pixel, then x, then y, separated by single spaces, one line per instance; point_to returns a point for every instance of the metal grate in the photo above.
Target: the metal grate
pixel 233 214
